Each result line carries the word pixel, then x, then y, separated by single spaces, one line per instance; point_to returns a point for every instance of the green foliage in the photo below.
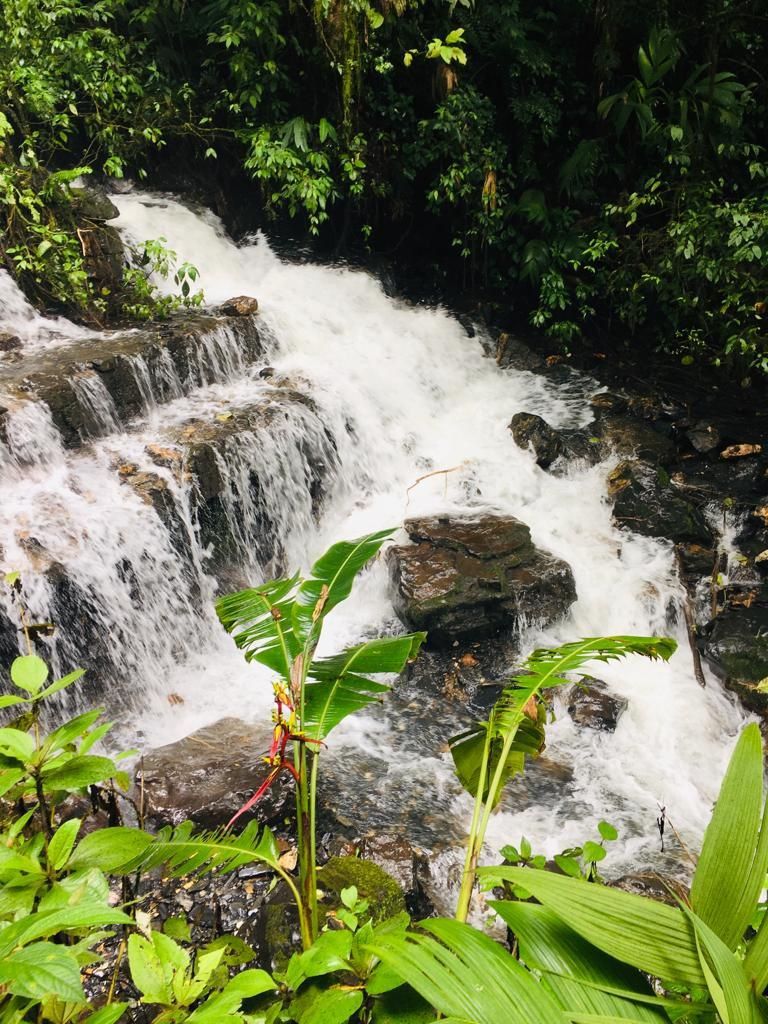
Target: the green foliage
pixel 279 625
pixel 494 751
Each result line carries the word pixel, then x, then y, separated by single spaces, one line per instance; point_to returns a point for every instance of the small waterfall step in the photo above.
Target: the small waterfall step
pixel 94 386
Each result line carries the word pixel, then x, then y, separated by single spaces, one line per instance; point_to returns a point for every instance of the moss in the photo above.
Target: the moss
pixel 380 889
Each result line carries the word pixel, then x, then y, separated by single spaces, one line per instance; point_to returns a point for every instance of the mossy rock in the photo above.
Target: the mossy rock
pixel 385 896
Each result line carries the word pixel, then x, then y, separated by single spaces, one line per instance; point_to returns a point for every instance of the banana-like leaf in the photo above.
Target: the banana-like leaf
pixel 726 978
pixel 579 976
pixel 261 621
pixel 544 669
pixel 468 751
pixel 756 961
pixel 466 975
pixel 182 852
pixel 650 936
pixel 331 581
pixel 337 686
pixel 734 856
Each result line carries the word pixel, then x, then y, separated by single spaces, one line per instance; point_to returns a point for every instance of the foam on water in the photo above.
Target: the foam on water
pixel 419 420
pixel 406 393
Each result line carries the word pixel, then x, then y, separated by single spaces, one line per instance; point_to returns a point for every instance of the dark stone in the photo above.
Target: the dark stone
pixel 103 255
pixel 633 438
pixel 533 432
pixel 696 560
pixel 93 203
pixel 513 354
pixel 661 888
pixel 373 883
pixel 9 342
pixel 240 305
pixel 469 578
pixel 608 402
pixel 394 855
pixel 648 503
pixel 735 645
pixel 704 437
pixel 591 705
pixel 207 777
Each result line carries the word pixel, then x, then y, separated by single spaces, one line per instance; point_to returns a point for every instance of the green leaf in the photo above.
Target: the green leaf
pixel 466 975
pixel 111 849
pixel 245 985
pixel 62 842
pixel 647 935
pixel 260 622
pixel 734 856
pixel 593 852
pixel 607 831
pixel 339 689
pixel 17 744
pixel 325 1006
pixel 330 952
pixel 332 577
pixel 468 753
pixel 576 972
pixel 62 684
pixel 183 852
pixel 79 772
pixel 42 970
pixel 107 1014
pixel 29 672
pixel 148 971
pixel 726 979
pixel 43 925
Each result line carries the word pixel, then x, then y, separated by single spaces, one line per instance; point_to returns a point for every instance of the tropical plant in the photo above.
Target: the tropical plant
pixel 493 751
pixel 279 624
pixel 587 951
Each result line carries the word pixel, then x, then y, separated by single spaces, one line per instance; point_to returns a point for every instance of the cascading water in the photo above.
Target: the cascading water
pixel 402 392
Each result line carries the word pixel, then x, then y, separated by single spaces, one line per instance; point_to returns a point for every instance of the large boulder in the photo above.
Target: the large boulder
pixel 531 431
pixel 632 438
pixel 646 501
pixel 735 645
pixel 466 578
pixel 207 777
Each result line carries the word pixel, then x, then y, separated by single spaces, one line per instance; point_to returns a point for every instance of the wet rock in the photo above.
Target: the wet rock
pixel 647 502
pixel 394 855
pixel 630 437
pixel 9 342
pixel 608 402
pixel 93 203
pixel 592 706
pixel 533 432
pixel 373 883
pixel 207 776
pixel 696 560
pixel 103 255
pixel 240 305
pixel 467 578
pixel 704 437
pixel 511 353
pixel 735 645
pixel 661 888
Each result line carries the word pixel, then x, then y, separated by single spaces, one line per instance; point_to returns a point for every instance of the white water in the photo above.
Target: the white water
pixel 20 318
pixel 404 392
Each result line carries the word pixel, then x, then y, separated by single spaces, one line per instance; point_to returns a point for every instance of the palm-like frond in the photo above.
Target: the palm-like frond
pixel 466 975
pixel 331 579
pixel 183 853
pixel 260 620
pixel 341 684
pixel 515 708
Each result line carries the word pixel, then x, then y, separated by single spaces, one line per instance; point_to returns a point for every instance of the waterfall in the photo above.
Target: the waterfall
pixel 368 398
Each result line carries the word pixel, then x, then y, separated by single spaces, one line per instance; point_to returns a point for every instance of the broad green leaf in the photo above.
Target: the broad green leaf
pixel 79 772
pixel 468 751
pixel 111 849
pixel 331 579
pixel 62 684
pixel 43 925
pixel 315 1005
pixel 148 972
pixel 72 730
pixel 642 933
pixel 729 988
pixel 756 961
pixel 62 842
pixel 466 975
pixel 734 856
pixel 183 852
pixel 337 687
pixel 42 970
pixel 330 952
pixel 245 985
pixel 8 700
pixel 17 744
pixel 260 621
pixel 575 971
pixel 29 672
